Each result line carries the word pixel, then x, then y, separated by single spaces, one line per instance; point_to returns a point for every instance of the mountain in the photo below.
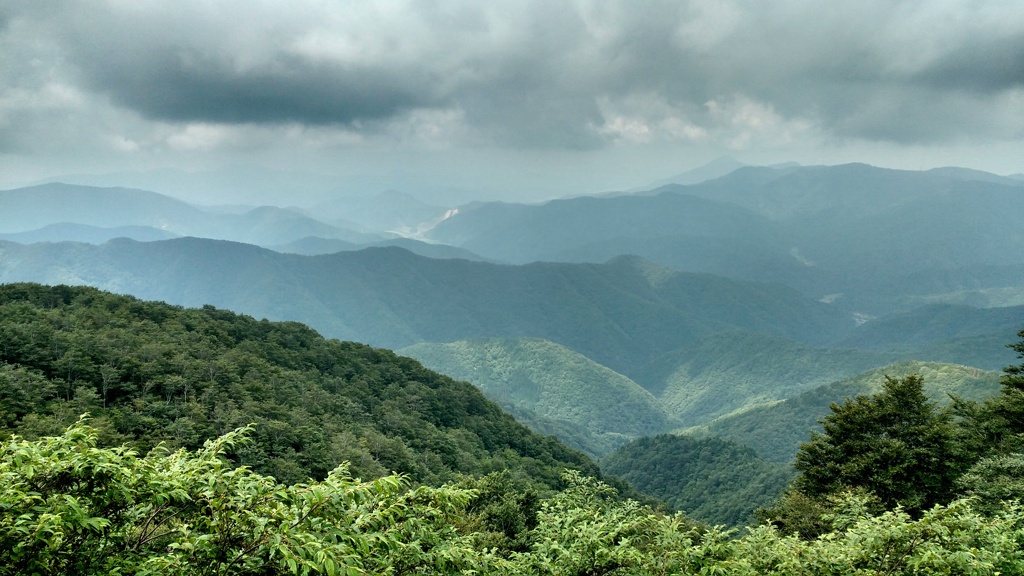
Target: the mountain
pixel 149 373
pixel 978 285
pixel 551 381
pixel 944 332
pixel 969 174
pixel 526 233
pixel 710 479
pixel 390 212
pixel 313 246
pixel 776 431
pixel 621 314
pixel 575 436
pixel 26 209
pixel 733 371
pixel 251 184
pixel 934 324
pixel 67 232
pixel 818 229
pixel 715 169
pixel 269 225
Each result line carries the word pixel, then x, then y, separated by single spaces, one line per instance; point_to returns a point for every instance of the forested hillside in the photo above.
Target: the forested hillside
pixel 776 431
pixel 71 507
pixel 733 371
pixel 712 480
pixel 150 373
pixel 551 381
pixel 961 334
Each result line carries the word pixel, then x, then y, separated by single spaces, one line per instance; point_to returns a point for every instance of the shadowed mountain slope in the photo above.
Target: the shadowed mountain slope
pixel 713 480
pixel 736 370
pixel 622 314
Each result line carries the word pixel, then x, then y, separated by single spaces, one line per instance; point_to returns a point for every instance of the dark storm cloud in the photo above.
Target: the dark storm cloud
pixel 554 74
pixel 232 67
pixel 187 85
pixel 984 65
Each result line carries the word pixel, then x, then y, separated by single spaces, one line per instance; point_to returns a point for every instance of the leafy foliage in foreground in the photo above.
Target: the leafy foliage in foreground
pixel 68 506
pixel 151 373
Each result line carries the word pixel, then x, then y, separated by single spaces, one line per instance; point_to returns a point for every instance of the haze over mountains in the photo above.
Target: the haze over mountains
pixel 710 306
pixel 26 209
pixel 872 240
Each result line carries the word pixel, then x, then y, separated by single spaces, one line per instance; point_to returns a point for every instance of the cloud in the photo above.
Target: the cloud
pixel 239 63
pixel 524 74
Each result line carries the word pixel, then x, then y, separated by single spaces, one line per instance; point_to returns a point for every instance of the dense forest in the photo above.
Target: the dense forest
pixel 218 444
pixel 733 481
pixel 150 373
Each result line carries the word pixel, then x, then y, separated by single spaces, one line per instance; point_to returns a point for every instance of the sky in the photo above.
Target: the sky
pixel 284 102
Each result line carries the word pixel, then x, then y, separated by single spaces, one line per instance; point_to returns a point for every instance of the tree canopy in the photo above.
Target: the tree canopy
pixel 896 444
pixel 150 373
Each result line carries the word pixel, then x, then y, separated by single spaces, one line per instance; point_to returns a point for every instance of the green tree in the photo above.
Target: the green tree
pixel 945 540
pixel 1001 422
pixel 895 444
pixel 993 481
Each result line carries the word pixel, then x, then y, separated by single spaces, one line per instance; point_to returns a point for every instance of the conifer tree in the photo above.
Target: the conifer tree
pixel 896 444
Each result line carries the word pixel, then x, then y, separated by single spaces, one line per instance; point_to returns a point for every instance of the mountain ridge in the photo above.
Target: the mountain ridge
pixel 390 297
pixel 25 209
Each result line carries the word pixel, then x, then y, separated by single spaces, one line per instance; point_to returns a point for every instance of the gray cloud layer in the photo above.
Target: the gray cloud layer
pixel 527 74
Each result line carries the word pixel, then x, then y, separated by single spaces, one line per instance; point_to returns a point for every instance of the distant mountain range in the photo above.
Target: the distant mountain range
pixel 391 211
pixel 858 235
pixel 715 169
pixel 702 345
pixel 868 240
pixel 68 232
pixel 314 246
pixel 29 209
